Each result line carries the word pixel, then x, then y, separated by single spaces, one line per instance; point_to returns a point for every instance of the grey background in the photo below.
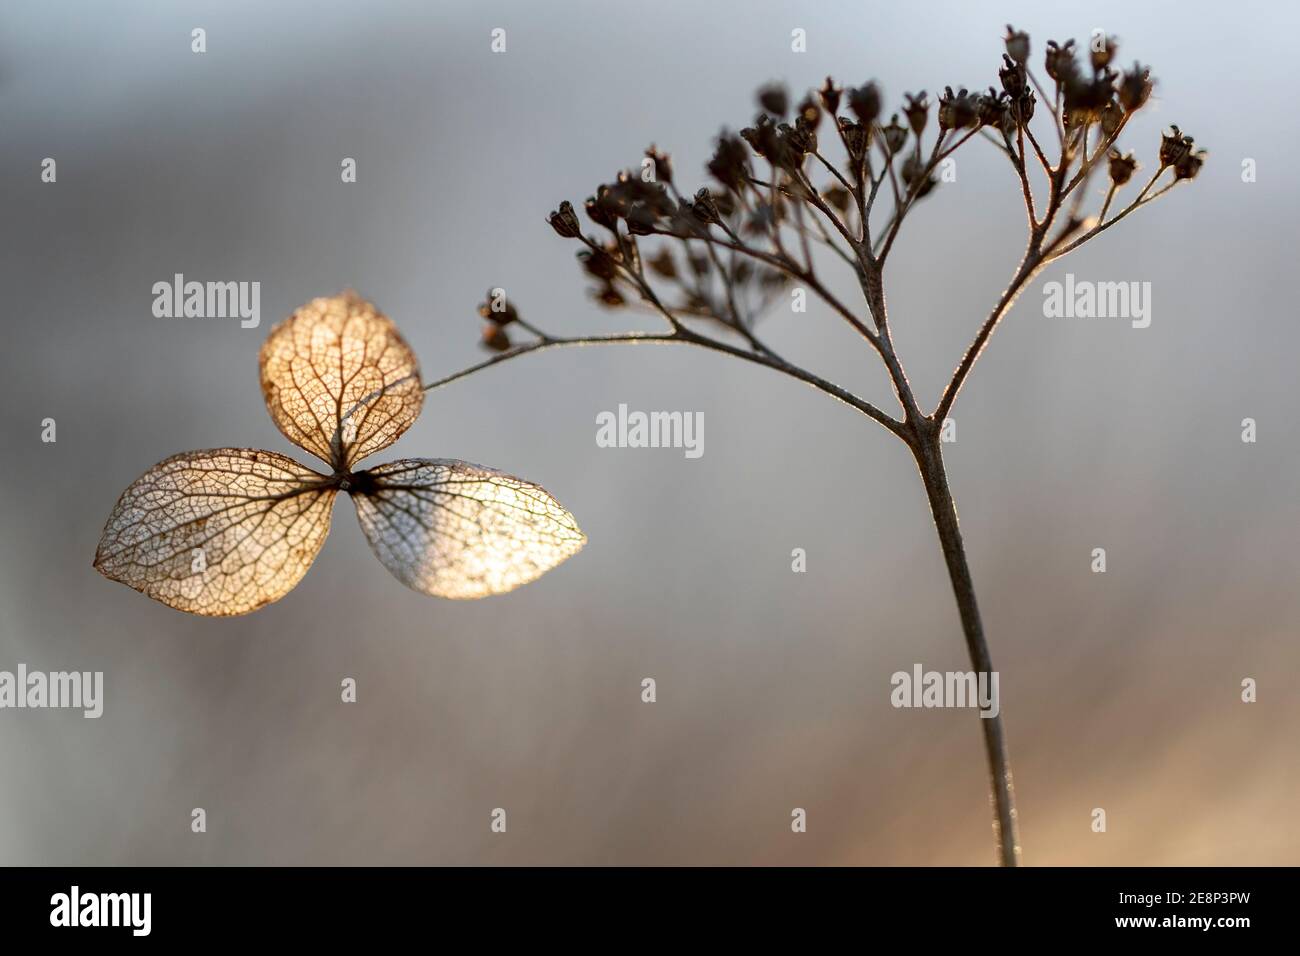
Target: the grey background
pixel 1120 690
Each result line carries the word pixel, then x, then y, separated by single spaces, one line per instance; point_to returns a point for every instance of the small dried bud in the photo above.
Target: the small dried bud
pixel 913 169
pixel 730 162
pixel 895 135
pixel 704 208
pixel 957 110
pixel 855 139
pixel 565 221
pixel 1111 116
pixel 801 139
pixel 601 209
pixel 1012 75
pixel 917 110
pixel 1190 164
pixel 774 99
pixel 1173 147
pixel 865 103
pixel 495 338
pixel 766 140
pixel 809 115
pixel 1135 87
pixel 1017 44
pixel 496 308
pixel 1122 167
pixel 1101 50
pixel 1022 109
pixel 992 108
pixel 830 96
pixel 1087 98
pixel 640 220
pixel 1059 61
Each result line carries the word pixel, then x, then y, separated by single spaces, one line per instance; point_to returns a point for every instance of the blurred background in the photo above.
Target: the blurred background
pixel 1120 690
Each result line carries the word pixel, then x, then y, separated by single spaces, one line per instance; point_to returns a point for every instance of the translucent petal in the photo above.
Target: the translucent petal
pixel 457 530
pixel 218 532
pixel 339 380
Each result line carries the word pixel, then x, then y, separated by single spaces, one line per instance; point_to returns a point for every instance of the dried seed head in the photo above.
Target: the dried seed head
pixel 993 108
pixel 1101 50
pixel 601 209
pixel 912 172
pixel 495 338
pixel 774 99
pixel 1173 147
pixel 1087 98
pixel 730 162
pixel 1189 164
pixel 631 189
pixel 1059 61
pixel 765 139
pixel 565 221
pixel 1135 87
pixel 1012 75
pixel 641 220
pixel 1111 116
pixel 1022 109
pixel 957 110
pixel 1122 167
pixel 1017 44
pixel 864 101
pixel 895 135
pixel 809 114
pixel 801 139
pixel 917 110
pixel 704 208
pixel 855 139
pixel 830 96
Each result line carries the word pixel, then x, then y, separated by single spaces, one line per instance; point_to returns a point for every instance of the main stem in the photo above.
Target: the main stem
pixel 929 459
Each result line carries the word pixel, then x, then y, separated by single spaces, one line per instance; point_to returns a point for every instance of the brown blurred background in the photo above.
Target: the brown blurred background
pixel 1119 690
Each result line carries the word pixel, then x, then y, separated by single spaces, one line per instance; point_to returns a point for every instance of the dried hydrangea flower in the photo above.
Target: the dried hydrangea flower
pixel 227 531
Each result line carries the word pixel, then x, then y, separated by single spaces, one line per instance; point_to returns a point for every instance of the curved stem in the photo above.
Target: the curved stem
pixel 685 336
pixel 929 460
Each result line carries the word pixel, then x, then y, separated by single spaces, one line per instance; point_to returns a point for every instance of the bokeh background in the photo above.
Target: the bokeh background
pixel 1120 690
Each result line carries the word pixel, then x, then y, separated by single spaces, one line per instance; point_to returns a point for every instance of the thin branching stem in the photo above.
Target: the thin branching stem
pixel 758 208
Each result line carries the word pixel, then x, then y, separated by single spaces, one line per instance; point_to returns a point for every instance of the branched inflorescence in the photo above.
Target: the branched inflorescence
pixel 710 263
pixel 827 177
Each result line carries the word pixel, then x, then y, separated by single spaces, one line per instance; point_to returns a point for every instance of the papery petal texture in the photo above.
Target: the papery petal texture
pixel 220 532
pixel 339 380
pixel 457 530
